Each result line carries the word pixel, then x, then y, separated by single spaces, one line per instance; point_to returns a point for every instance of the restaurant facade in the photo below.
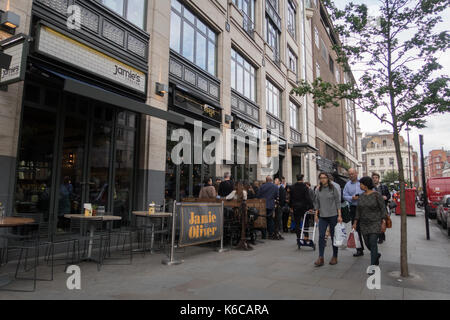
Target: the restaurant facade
pixel 104 98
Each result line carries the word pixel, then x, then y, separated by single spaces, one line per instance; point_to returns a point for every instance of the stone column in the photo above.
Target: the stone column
pixel 10 111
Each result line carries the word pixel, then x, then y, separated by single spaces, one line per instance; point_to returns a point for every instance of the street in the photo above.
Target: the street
pixel 275 270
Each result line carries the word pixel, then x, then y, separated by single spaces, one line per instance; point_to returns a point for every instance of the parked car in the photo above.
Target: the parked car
pixel 437 188
pixel 442 212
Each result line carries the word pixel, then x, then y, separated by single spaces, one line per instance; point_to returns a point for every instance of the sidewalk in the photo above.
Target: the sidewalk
pixel 274 270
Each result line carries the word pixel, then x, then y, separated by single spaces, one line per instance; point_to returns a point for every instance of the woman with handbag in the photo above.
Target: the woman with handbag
pixel 371 214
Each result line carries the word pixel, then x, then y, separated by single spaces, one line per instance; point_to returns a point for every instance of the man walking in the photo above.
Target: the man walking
pixel 300 203
pixel 269 191
pixel 384 191
pixel 281 203
pixel 352 191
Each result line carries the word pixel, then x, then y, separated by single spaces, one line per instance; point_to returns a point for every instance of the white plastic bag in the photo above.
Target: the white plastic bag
pixel 357 240
pixel 340 236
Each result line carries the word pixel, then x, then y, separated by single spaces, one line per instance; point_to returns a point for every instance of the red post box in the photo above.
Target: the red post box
pixel 410 195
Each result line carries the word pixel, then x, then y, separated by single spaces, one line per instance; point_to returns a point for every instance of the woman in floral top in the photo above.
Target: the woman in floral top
pixel 371 214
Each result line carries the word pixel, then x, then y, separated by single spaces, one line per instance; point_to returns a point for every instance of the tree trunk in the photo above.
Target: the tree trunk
pixel 404 228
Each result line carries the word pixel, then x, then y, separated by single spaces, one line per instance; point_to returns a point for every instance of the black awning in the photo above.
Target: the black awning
pixel 91 91
pixel 303 148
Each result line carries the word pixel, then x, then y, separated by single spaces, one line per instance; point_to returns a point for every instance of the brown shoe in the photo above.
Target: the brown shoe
pixel 333 261
pixel 320 262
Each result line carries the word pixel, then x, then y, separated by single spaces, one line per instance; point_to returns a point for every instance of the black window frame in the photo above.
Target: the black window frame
pixel 124 13
pixel 291 19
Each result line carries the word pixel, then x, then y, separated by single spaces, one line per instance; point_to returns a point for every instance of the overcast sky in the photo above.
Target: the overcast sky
pixel 437 133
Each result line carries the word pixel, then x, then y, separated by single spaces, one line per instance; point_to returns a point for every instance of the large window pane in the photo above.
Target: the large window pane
pixel 135 12
pixel 188 42
pixel 115 5
pixel 175 32
pixel 212 58
pixel 201 51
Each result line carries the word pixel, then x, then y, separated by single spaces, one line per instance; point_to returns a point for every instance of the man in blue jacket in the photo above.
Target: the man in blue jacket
pixel 352 191
pixel 269 191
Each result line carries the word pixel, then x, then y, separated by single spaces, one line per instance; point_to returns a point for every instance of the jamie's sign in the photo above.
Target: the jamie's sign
pixel 57 45
pixel 200 223
pixel 17 48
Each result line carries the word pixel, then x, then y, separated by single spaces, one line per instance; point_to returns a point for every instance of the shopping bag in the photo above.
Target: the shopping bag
pixel 357 240
pixel 351 240
pixel 340 236
pixel 289 222
pixel 345 210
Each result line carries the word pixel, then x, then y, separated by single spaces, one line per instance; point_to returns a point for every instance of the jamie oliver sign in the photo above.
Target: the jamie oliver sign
pixel 200 223
pixel 17 48
pixel 75 53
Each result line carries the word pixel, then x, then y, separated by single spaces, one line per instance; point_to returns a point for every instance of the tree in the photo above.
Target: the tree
pixel 391 177
pixel 399 85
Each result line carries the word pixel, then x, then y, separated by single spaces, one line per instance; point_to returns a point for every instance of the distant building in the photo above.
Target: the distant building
pixel 378 155
pixel 437 164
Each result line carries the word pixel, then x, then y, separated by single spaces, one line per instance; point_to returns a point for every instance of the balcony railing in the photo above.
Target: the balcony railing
pixel 249 25
pixel 296 136
pixel 275 124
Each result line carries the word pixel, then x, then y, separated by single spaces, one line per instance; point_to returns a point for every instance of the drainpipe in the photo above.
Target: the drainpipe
pixel 305 109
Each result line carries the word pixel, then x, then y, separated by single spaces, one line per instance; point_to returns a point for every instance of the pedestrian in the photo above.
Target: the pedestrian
pixel 226 186
pixel 269 191
pixel 251 194
pixel 280 204
pixel 217 184
pixel 287 209
pixel 301 202
pixel 328 213
pixel 371 216
pixel 352 191
pixel 384 191
pixel 208 191
pixel 239 192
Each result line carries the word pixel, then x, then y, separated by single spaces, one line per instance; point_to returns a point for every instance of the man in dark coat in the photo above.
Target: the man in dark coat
pixel 384 191
pixel 281 202
pixel 269 191
pixel 301 202
pixel 226 187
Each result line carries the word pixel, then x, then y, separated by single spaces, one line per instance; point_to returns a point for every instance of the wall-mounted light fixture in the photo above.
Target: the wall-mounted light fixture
pixel 161 89
pixel 228 119
pixel 9 21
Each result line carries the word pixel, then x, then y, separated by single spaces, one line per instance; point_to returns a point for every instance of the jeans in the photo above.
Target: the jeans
pixel 371 241
pixel 270 221
pixel 278 220
pixel 358 229
pixel 323 225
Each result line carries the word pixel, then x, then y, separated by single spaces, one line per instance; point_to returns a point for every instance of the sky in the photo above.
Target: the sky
pixel 437 133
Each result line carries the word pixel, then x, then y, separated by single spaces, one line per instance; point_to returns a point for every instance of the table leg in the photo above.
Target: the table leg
pixel 153 238
pixel 91 241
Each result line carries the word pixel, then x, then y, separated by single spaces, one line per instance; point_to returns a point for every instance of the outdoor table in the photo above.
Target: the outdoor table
pixel 106 218
pixel 10 222
pixel 145 214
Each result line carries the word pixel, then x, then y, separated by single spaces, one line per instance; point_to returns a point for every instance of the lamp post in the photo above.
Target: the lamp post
pixel 408 129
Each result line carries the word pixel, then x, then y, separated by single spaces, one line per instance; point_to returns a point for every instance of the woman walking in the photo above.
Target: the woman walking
pixel 328 213
pixel 371 214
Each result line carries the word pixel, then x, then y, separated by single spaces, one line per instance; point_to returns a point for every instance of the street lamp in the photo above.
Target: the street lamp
pixel 408 129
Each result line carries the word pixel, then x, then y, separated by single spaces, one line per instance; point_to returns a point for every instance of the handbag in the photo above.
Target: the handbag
pixel 388 222
pixel 353 241
pixel 392 205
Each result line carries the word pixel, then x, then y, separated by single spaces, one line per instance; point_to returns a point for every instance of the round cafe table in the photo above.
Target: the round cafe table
pixel 146 215
pixel 106 218
pixel 11 222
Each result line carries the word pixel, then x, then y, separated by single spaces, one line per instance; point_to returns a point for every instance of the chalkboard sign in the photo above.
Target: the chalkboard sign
pixel 200 223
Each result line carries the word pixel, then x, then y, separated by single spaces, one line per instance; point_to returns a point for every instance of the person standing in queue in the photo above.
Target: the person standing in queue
pixel 226 186
pixel 384 191
pixel 328 213
pixel 371 216
pixel 352 192
pixel 269 191
pixel 281 202
pixel 301 202
pixel 208 191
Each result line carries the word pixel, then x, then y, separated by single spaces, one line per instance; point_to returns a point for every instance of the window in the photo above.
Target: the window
pixel 382 174
pixel 243 76
pixel 324 50
pixel 381 162
pixel 273 38
pixel 294 115
pixel 132 10
pixel 391 161
pixel 331 63
pixel 317 70
pixel 384 143
pixel 292 58
pixel 291 26
pixel 438 167
pixel 338 75
pixel 273 99
pixel 191 38
pixel 247 7
pixel 372 162
pixel 316 37
pixel 275 4
pixel 320 113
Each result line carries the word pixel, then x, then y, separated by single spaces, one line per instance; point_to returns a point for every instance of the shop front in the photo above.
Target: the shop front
pixel 80 130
